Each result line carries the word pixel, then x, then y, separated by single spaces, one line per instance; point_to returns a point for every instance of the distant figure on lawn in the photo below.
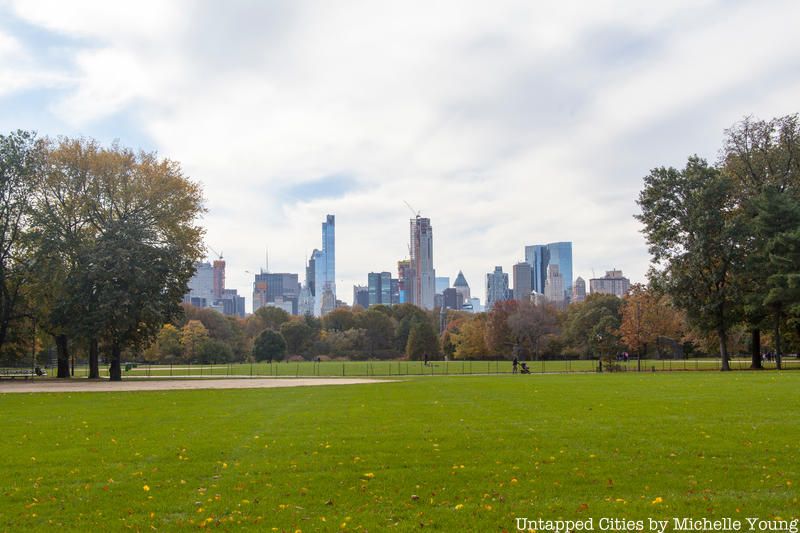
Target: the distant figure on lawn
pixel 426 359
pixel 514 365
pixel 525 369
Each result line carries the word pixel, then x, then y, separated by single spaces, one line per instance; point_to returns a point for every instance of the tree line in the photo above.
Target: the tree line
pixel 725 237
pixel 97 245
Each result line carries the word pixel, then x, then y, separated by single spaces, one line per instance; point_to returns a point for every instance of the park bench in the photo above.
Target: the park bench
pixel 19 373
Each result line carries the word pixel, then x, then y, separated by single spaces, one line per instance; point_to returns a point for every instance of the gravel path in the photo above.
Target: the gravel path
pixel 84 385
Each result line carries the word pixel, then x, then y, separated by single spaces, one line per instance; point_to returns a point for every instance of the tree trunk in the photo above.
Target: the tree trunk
pixel 723 349
pixel 94 367
pixel 62 356
pixel 755 350
pixel 778 341
pixel 115 372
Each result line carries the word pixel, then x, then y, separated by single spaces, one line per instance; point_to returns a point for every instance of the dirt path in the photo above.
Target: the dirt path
pixel 84 385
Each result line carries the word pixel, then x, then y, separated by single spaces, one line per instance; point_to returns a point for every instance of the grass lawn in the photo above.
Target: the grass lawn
pixel 412 368
pixel 446 453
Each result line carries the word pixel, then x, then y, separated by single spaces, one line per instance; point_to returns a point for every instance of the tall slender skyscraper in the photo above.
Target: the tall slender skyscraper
pixel 422 262
pixel 219 277
pixel 325 269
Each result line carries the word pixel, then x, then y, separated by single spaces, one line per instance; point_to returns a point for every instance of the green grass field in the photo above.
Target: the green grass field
pixel 415 368
pixel 443 453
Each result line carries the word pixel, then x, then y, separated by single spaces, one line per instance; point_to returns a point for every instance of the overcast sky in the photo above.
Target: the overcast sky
pixel 505 123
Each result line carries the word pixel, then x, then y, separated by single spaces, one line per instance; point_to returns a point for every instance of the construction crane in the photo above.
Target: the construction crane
pixel 214 252
pixel 416 213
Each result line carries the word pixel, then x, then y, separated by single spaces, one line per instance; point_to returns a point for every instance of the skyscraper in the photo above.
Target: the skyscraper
pixel 540 256
pixel 361 296
pixel 207 289
pixel 405 281
pixel 461 285
pixel 554 287
pixel 496 287
pixel 578 290
pixel 380 288
pixel 271 287
pixel 325 269
pixel 522 281
pixel 219 277
pixel 422 262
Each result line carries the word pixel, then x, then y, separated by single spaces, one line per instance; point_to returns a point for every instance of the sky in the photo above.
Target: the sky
pixel 506 123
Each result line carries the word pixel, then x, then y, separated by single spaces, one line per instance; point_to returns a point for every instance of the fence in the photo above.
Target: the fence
pixel 415 368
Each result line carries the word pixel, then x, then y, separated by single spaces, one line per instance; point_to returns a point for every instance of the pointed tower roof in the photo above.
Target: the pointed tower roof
pixel 460 280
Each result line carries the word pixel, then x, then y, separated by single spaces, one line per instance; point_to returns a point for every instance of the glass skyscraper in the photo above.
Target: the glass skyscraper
pixel 539 256
pixel 325 269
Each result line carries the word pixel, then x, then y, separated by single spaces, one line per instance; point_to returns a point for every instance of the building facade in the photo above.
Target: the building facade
pixel 579 290
pixel 422 262
pixel 325 269
pixel 496 287
pixel 554 287
pixel 612 283
pixel 540 256
pixel 361 295
pixel 380 288
pixel 523 275
pixel 207 289
pixel 461 285
pixel 281 287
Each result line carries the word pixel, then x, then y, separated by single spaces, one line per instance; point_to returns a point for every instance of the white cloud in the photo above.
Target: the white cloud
pixel 508 124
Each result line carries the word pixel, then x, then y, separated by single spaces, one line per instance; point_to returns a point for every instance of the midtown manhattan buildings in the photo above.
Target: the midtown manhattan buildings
pixel 540 256
pixel 207 289
pixel 325 269
pixel 423 282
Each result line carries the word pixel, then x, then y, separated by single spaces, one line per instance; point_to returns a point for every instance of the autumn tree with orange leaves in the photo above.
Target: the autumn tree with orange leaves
pixel 646 316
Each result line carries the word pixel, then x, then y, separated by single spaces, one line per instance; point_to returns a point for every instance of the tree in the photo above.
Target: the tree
pixel 145 213
pixel 763 159
pixel 269 346
pixel 499 338
pixel 167 345
pixel 193 336
pixel 529 325
pixel 591 327
pixel 470 338
pixel 405 315
pixel 422 341
pixel 694 236
pixel 271 317
pixel 782 216
pixel 378 329
pixel 646 316
pixel 20 164
pixel 215 351
pixel 340 319
pixel 297 334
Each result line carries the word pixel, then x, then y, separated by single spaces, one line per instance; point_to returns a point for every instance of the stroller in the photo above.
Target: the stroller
pixel 524 369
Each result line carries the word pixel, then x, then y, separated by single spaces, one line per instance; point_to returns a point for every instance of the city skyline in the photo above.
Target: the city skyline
pixel 508 125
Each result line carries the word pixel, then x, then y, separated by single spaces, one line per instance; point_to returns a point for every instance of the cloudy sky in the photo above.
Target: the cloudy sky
pixel 506 123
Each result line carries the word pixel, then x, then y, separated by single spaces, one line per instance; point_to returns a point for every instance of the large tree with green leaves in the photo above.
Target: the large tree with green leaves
pixel 694 232
pixel 21 160
pixel 763 159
